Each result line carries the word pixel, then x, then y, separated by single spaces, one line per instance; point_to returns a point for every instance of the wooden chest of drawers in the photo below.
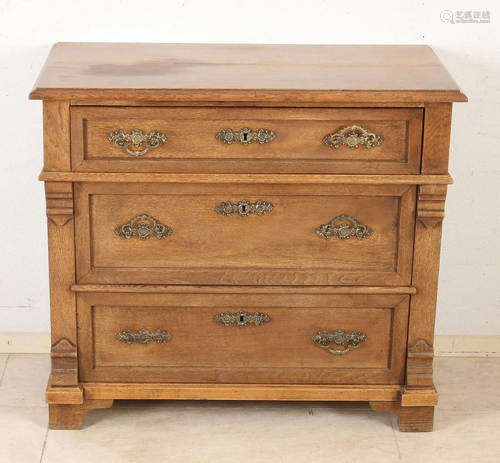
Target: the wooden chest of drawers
pixel 244 222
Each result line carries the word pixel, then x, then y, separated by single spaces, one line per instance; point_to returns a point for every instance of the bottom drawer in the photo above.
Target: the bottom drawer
pixel 231 336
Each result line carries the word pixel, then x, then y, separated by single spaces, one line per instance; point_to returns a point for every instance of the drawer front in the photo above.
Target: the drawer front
pixel 283 338
pixel 281 234
pixel 292 140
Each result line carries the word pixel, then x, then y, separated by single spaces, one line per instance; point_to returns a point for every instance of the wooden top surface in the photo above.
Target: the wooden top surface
pixel 267 73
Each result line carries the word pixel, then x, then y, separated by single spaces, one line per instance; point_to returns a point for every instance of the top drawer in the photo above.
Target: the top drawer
pixel 293 140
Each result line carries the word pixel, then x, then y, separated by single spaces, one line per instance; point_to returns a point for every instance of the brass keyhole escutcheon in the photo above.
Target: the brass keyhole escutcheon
pixel 242 319
pixel 244 208
pixel 245 136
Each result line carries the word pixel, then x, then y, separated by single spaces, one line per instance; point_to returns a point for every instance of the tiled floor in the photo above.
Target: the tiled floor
pixel 467 426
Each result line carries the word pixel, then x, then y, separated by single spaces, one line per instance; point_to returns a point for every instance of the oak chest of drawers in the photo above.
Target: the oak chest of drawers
pixel 244 222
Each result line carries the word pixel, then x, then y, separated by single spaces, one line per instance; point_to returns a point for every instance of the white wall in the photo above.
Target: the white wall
pixel 469 298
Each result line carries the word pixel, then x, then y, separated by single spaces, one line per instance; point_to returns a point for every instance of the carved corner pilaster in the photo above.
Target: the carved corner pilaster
pixel 430 205
pixel 59 202
pixel 64 356
pixel 419 364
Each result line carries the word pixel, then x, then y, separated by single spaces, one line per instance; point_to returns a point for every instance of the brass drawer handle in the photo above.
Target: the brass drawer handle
pixel 357 136
pixel 244 208
pixel 242 319
pixel 143 230
pixel 245 136
pixel 339 338
pixel 137 138
pixel 144 337
pixel 347 227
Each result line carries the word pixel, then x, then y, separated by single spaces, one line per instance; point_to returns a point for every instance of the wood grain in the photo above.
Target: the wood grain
pixel 244 289
pixel 64 395
pixel 126 177
pixel 410 419
pixel 245 250
pixel 64 355
pixel 416 397
pixel 288 392
pixel 298 145
pixel 420 357
pixel 56 136
pixel 436 143
pixel 250 104
pixel 61 239
pixel 228 299
pixel 66 416
pixel 203 72
pixel 430 204
pixel 423 304
pixel 280 351
pixel 385 285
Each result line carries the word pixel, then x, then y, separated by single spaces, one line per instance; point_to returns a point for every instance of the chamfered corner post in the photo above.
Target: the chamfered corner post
pixel 63 387
pixel 418 397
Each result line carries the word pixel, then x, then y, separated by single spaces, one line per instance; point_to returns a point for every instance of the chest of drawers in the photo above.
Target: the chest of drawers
pixel 240 222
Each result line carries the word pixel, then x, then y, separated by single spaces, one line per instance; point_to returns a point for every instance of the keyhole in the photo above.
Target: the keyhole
pixel 245 136
pixel 242 318
pixel 244 208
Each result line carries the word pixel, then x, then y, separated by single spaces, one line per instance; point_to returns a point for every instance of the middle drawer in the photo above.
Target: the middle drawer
pixel 308 234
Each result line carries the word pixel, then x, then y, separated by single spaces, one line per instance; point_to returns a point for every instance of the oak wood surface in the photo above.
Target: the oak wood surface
pixel 61 239
pixel 99 288
pixel 250 103
pixel 418 397
pixel 436 141
pixel 428 229
pixel 421 324
pixel 196 391
pixel 70 416
pixel 280 247
pixel 141 177
pixel 298 146
pixel 385 285
pixel 222 72
pixel 280 351
pixel 64 395
pixel 227 300
pixel 410 419
pixel 56 136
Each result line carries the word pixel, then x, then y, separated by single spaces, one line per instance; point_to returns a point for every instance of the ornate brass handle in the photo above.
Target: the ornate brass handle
pixel 339 338
pixel 144 337
pixel 244 208
pixel 137 138
pixel 347 227
pixel 245 136
pixel 143 230
pixel 357 136
pixel 242 319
